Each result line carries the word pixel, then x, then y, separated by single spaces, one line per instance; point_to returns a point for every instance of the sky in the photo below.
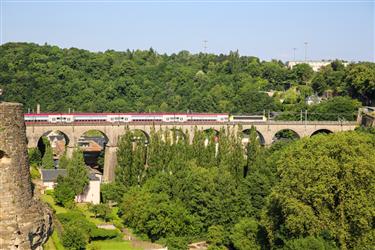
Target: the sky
pixel 268 29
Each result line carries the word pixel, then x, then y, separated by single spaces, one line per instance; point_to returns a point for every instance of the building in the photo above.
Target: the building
pixel 315 65
pixel 91 194
pixel 313 99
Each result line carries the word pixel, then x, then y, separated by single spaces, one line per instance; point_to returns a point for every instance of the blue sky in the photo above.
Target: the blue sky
pixel 266 29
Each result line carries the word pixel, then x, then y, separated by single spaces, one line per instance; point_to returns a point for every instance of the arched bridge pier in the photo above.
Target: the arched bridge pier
pixel 113 132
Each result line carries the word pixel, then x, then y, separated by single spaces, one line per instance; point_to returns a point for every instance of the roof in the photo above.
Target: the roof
pixel 52 174
pixel 49 175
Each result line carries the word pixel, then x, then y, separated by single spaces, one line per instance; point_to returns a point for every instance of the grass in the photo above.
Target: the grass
pixel 49 199
pixel 83 208
pixel 53 243
pixel 111 245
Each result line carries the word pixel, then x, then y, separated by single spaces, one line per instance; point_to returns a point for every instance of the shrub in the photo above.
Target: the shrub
pixel 74 237
pixel 34 173
pixel 63 193
pixel 104 234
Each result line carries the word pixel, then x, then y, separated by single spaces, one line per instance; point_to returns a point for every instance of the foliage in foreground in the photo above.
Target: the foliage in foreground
pixel 327 189
pixel 315 193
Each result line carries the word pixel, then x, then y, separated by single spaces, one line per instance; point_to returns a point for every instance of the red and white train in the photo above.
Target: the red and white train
pixel 125 117
pixel 140 117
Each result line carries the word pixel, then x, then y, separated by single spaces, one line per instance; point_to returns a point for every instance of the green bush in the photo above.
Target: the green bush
pixel 34 173
pixel 49 192
pixel 63 193
pixel 74 237
pixel 309 243
pixel 104 234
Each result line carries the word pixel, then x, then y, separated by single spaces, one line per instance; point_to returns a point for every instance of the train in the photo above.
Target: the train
pixel 139 117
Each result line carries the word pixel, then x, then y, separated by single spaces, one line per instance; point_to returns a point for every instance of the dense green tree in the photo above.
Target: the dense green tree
pixel 326 186
pixel 216 237
pixel 74 238
pixel 77 173
pixel 337 108
pixel 63 193
pixel 47 160
pixel 246 235
pixel 302 73
pixel 101 211
pixel 156 216
pixel 361 82
pixel 125 174
pixel 60 79
pixel 309 243
pixel 35 157
pixel 252 150
pixel 63 161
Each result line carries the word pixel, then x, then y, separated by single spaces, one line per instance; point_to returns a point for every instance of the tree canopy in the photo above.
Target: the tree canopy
pixel 143 80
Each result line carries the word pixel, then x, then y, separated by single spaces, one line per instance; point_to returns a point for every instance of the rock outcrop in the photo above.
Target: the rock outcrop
pixel 25 223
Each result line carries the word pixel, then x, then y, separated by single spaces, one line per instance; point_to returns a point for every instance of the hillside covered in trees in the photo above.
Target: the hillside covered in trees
pixel 145 81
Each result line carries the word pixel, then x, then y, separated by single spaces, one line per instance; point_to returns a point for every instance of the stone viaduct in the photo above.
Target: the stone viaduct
pixel 113 131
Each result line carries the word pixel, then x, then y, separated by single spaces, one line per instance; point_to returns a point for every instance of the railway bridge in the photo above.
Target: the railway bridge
pixel 113 131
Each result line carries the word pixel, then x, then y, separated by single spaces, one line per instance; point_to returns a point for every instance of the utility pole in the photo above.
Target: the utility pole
pixel 294 54
pixel 205 45
pixel 306 43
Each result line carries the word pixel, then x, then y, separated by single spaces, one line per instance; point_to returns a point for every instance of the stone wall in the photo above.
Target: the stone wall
pixel 25 223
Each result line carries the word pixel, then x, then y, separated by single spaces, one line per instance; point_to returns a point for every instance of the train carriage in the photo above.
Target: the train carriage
pixel 126 117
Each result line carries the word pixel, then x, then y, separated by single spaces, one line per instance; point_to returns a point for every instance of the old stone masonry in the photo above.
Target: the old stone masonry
pixel 25 223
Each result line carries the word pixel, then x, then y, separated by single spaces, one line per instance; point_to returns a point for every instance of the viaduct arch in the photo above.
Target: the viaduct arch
pixel 266 132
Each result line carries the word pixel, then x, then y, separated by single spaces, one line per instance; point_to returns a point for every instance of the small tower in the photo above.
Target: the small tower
pixel 25 223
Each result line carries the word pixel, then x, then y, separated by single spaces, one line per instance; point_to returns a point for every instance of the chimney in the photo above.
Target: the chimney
pixel 38 108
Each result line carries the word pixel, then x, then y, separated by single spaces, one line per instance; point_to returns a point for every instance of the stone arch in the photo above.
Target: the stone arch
pixel 211 132
pixel 85 132
pixel 285 135
pixel 321 131
pixel 245 137
pixel 140 134
pixel 93 143
pixel 178 133
pixel 56 137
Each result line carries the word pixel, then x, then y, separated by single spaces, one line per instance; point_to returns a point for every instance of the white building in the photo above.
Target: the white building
pixel 91 194
pixel 315 65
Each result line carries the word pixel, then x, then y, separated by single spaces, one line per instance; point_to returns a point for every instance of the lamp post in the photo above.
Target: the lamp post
pixel 306 43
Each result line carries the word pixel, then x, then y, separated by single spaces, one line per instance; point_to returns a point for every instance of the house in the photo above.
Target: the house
pixel 91 194
pixel 313 99
pixel 315 65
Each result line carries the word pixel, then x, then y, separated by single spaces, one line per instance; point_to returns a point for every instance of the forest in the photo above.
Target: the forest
pixel 146 81
pixel 314 193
